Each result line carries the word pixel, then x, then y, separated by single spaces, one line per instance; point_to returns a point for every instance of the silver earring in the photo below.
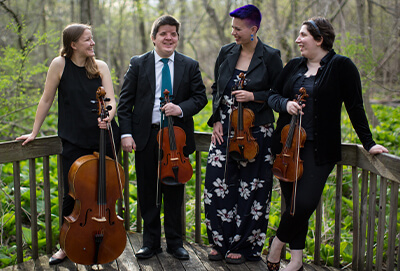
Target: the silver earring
pixel 252 37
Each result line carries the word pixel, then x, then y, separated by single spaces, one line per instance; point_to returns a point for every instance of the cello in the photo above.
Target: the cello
pixel 173 167
pixel 288 166
pixel 242 145
pixel 93 233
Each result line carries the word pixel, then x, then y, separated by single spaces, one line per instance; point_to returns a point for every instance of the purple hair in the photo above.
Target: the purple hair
pixel 249 13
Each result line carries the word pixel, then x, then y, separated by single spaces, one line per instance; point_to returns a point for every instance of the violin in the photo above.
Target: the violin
pixel 94 233
pixel 242 145
pixel 173 168
pixel 288 166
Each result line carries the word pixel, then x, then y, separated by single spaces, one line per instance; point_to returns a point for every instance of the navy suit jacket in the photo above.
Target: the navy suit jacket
pixel 135 107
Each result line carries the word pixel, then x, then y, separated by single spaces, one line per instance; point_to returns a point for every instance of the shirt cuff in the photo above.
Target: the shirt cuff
pixel 125 135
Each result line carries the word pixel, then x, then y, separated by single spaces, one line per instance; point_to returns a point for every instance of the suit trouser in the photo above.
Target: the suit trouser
pixel 146 162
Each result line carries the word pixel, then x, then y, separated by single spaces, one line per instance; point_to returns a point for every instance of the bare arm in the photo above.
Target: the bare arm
pixel 52 81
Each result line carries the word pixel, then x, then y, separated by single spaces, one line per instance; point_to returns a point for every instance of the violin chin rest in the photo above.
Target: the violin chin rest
pixel 170 181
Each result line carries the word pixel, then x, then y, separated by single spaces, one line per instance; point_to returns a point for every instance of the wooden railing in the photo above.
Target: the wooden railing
pixel 367 212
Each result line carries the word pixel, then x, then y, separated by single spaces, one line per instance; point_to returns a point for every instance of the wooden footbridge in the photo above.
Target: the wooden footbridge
pixel 375 200
pixel 128 262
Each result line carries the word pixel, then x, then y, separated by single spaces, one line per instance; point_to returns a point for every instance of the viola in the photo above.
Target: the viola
pixel 174 167
pixel 94 233
pixel 242 145
pixel 288 166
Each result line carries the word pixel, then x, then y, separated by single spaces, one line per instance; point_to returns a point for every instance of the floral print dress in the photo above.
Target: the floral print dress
pixel 237 194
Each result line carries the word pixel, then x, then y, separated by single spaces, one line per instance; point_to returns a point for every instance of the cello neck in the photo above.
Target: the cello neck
pixel 101 199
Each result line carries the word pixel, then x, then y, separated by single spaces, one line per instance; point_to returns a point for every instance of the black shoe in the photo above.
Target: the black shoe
pixel 179 253
pixel 146 252
pixel 53 260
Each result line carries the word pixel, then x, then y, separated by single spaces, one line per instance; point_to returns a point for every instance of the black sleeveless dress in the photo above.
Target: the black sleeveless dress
pixel 77 123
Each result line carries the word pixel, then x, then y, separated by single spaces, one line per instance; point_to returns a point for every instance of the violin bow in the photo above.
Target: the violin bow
pixel 160 139
pixel 294 193
pixel 239 85
pixel 293 205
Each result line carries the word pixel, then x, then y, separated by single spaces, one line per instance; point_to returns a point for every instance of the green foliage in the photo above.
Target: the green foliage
pixel 19 74
pixel 386 134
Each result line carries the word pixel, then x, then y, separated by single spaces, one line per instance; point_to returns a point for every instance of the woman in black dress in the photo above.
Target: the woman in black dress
pixel 76 74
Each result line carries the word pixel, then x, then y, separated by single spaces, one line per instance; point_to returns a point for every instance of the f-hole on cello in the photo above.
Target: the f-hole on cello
pixel 94 233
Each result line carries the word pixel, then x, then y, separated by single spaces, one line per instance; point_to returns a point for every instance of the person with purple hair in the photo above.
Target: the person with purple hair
pixel 237 191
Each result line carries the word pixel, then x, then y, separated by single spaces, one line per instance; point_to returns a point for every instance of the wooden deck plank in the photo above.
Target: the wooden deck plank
pixel 202 254
pixel 194 262
pixel 127 260
pixel 144 264
pixel 164 261
pixel 167 261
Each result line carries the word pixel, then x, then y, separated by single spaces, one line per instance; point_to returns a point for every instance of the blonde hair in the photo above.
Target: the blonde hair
pixel 72 33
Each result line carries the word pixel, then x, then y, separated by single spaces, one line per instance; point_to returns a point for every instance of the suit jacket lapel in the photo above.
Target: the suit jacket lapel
pixel 179 68
pixel 257 58
pixel 150 72
pixel 227 71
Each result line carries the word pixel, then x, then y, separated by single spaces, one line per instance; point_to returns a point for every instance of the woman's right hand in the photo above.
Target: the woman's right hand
pixel 27 138
pixel 217 133
pixel 293 108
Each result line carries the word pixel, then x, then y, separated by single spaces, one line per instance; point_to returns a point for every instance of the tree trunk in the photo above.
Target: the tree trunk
pixel 87 11
pixel 367 92
pixel 182 31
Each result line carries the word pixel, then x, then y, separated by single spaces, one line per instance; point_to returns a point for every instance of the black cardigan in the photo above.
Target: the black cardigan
pixel 337 81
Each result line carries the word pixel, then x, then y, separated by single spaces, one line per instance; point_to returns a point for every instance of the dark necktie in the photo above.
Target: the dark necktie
pixel 165 78
pixel 165 84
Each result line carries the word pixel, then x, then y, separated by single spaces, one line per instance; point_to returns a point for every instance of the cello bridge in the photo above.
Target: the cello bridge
pixel 101 219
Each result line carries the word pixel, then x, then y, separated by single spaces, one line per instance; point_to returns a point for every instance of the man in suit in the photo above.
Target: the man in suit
pixel 139 118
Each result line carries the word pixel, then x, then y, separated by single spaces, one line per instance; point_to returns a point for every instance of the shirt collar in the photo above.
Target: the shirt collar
pixel 157 58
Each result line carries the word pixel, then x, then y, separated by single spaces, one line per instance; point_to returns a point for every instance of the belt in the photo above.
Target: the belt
pixel 155 126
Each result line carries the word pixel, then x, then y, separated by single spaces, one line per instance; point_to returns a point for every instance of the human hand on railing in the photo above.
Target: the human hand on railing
pixel 378 149
pixel 27 138
pixel 217 133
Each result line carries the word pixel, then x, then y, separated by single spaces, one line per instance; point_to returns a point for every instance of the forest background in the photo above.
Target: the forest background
pixel 30 37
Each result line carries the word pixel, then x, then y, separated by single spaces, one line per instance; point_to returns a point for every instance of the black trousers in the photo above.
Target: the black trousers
pixel 293 229
pixel 146 170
